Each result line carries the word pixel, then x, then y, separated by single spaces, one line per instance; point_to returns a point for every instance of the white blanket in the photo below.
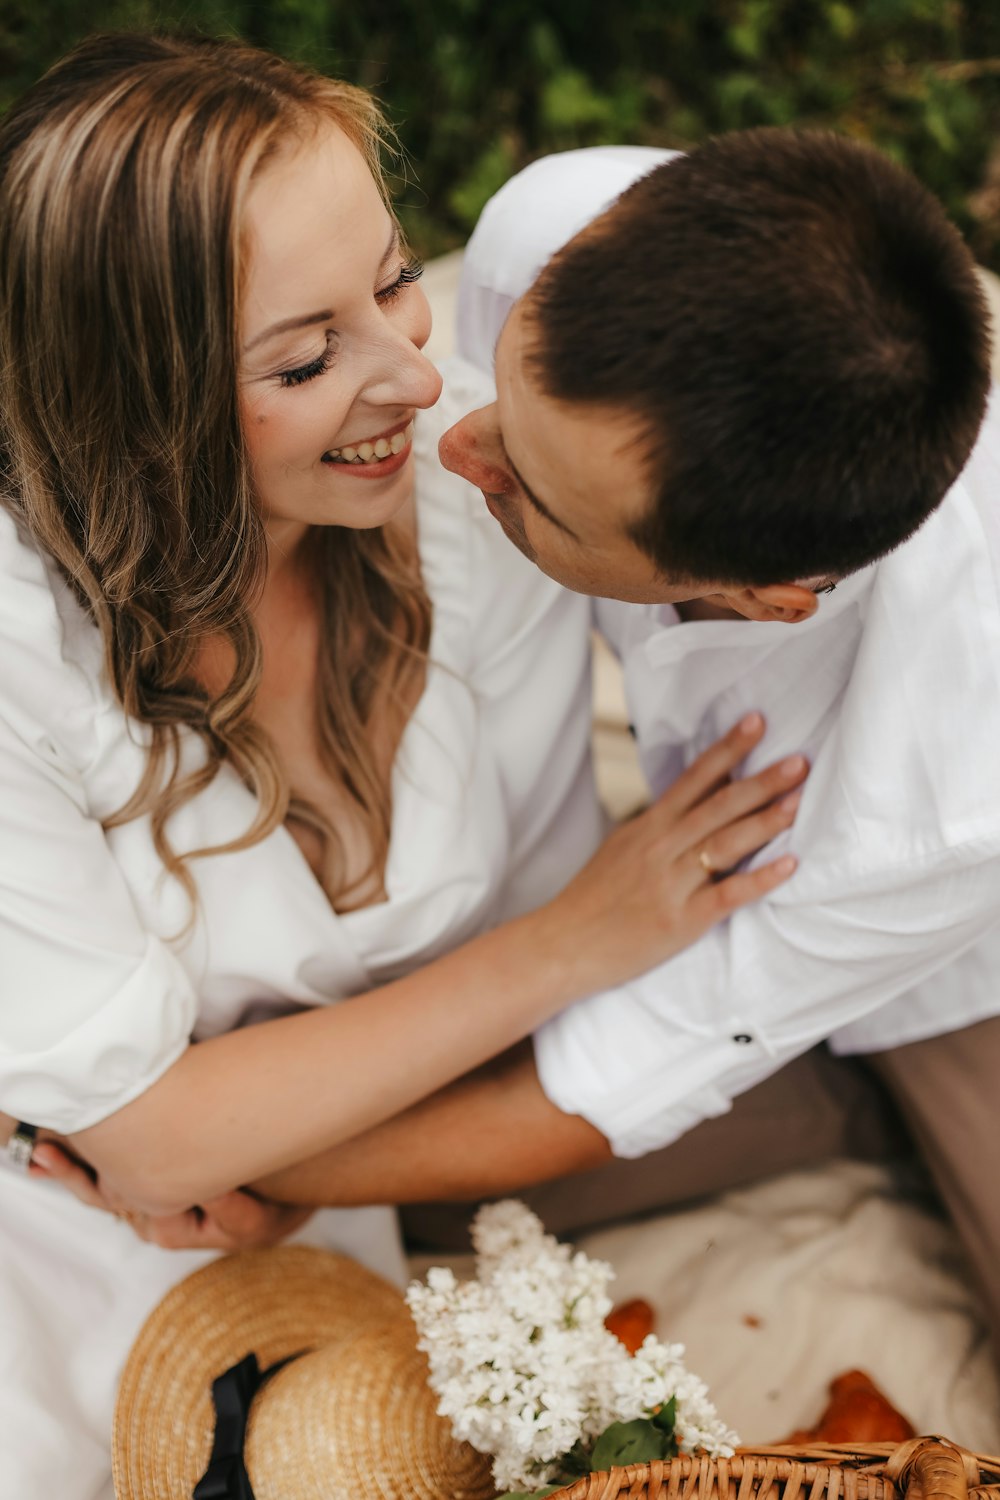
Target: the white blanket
pixel 778 1288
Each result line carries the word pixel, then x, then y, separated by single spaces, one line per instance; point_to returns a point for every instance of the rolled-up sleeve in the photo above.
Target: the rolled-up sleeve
pixel 93 1008
pixel 647 1062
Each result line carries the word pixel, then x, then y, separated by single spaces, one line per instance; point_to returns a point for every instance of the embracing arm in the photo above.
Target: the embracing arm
pixel 247 1104
pixel 266 1096
pixel 491 1133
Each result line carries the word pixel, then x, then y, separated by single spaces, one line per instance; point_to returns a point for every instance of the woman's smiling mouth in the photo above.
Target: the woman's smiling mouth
pixel 372 452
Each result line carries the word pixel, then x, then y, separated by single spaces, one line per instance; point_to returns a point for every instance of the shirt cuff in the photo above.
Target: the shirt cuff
pixel 642 1064
pixel 636 1116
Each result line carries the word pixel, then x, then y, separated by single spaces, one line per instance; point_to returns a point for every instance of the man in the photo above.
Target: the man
pixel 741 386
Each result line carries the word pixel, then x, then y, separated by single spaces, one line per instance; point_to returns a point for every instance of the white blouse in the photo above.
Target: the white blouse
pixel 99 996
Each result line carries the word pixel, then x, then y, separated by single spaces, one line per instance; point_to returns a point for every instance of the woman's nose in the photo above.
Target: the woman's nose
pixel 423 381
pixel 405 376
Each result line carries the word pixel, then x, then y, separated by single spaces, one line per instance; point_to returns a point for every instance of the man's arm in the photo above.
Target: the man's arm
pixel 491 1133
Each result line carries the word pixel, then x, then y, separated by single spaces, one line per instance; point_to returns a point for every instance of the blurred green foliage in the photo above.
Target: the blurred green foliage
pixel 479 87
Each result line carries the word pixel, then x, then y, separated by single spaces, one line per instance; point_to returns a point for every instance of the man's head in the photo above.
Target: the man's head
pixel 758 371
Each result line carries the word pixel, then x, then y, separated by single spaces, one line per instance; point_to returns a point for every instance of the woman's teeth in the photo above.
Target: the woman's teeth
pixel 371 453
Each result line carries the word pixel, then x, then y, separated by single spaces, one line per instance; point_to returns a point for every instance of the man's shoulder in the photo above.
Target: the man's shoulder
pixel 523 225
pixel 546 204
pixel 979 479
pixel 950 568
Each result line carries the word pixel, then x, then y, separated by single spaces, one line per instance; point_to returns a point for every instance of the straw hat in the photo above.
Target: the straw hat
pixel 351 1418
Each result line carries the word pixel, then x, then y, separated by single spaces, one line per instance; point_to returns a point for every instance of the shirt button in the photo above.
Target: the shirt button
pixel 743 1037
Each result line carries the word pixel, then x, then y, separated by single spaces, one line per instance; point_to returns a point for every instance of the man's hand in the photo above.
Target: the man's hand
pixel 235 1221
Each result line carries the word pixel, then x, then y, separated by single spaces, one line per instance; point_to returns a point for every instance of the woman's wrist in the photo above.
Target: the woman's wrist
pixel 559 961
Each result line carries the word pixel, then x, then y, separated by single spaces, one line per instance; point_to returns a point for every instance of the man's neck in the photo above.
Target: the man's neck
pixel 708 608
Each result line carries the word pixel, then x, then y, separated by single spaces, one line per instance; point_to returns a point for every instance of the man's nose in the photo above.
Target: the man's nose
pixel 471 449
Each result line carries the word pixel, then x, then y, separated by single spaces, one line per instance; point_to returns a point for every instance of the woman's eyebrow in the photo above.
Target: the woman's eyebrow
pixel 308 320
pixel 287 324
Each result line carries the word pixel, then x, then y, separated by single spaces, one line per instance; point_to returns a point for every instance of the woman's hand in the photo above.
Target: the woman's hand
pixel 235 1221
pixel 659 882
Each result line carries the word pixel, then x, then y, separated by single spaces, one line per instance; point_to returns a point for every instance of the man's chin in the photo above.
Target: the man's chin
pixel 518 538
pixel 521 543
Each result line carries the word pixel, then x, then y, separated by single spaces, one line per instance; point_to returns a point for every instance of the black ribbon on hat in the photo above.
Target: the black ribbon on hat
pixel 226 1477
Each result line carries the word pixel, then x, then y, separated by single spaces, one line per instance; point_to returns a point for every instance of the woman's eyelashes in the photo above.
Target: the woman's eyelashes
pixel 313 368
pixel 408 274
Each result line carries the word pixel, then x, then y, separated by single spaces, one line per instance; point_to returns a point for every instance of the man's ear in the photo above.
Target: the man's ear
pixel 788 603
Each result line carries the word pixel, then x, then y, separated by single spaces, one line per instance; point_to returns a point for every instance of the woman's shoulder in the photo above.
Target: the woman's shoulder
pixel 50 652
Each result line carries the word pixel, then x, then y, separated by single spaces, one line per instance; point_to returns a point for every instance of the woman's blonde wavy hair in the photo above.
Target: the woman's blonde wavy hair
pixel 123 174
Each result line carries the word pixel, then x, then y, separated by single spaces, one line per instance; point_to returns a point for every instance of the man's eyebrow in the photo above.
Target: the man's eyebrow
pixel 539 505
pixel 309 320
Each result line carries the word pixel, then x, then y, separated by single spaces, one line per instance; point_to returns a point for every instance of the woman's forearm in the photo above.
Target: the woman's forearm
pixel 242 1106
pixel 250 1102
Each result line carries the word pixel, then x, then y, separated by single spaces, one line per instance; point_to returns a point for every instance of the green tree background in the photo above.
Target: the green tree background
pixel 477 88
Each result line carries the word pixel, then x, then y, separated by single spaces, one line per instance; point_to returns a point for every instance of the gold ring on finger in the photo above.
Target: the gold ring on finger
pixel 705 860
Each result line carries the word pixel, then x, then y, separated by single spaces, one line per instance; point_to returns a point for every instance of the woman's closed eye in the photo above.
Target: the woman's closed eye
pixel 407 275
pixel 315 366
pixel 409 272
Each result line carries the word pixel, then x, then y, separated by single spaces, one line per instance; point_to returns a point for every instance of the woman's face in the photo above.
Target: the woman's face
pixel 332 326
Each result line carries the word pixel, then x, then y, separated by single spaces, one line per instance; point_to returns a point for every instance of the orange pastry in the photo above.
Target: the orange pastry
pixel 631 1322
pixel 857 1413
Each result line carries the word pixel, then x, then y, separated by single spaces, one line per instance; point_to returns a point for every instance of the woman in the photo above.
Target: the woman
pixel 271 734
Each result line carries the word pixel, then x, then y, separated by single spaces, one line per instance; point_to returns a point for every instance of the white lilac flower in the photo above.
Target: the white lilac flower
pixel 522 1362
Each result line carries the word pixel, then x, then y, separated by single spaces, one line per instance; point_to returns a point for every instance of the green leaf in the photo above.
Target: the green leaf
pixel 570 101
pixel 841 20
pixel 576 1462
pixel 636 1442
pixel 488 173
pixel 666 1418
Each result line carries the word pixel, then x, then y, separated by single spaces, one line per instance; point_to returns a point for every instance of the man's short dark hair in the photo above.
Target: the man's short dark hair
pixel 799 328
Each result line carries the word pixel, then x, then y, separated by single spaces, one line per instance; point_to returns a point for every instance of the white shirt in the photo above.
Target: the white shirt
pixel 888 931
pixel 98 997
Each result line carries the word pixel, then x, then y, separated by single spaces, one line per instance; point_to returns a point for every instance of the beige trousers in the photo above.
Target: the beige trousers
pixel 946 1090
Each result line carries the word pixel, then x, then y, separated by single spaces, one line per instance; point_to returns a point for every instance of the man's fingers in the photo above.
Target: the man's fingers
pixel 713 766
pixel 255 1220
pixel 236 1213
pixel 188 1231
pixel 234 1221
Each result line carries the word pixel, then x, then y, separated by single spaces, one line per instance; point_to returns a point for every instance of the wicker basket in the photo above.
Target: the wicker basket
pixel 925 1468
